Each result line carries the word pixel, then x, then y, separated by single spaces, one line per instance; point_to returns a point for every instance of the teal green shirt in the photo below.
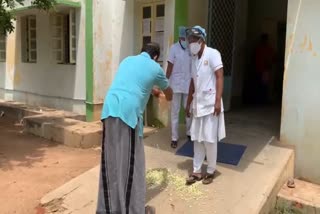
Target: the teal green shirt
pixel 130 90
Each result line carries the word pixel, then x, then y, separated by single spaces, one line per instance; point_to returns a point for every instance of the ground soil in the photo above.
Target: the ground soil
pixel 30 167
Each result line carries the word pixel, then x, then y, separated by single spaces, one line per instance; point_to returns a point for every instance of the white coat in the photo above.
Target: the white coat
pixel 204 97
pixel 179 82
pixel 181 75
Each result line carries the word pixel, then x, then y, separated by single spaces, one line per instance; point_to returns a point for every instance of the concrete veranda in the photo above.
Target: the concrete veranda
pixel 250 187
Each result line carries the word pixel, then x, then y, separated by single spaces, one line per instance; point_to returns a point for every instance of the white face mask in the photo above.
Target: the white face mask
pixel 195 48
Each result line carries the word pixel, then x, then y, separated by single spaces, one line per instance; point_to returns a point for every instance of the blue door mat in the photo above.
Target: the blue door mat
pixel 227 153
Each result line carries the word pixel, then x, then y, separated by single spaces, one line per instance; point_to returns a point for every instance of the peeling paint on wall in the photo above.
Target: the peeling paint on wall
pixel 301 98
pixel 110 19
pixel 10 60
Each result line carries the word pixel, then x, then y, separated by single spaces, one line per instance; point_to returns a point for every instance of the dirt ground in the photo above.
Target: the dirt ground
pixel 30 167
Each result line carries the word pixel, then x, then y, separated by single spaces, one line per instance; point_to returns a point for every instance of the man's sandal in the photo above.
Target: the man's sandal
pixel 194 177
pixel 150 210
pixel 208 179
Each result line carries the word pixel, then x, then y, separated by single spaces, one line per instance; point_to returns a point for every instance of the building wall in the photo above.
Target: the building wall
pixel 45 82
pixel 2 74
pixel 117 31
pixel 113 40
pixel 301 98
pixel 198 13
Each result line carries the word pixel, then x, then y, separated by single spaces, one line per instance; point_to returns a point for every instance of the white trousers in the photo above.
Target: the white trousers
pixel 175 110
pixel 202 150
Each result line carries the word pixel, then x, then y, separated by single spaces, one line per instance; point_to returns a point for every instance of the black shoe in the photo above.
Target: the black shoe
pixel 189 137
pixel 174 144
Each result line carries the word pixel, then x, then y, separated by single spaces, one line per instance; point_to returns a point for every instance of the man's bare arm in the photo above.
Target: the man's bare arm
pixel 169 70
pixel 219 91
pixel 168 93
pixel 190 97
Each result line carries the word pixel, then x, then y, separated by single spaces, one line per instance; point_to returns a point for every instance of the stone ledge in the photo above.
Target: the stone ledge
pixel 63 127
pixel 60 126
pixel 73 133
pixel 17 111
pixel 303 199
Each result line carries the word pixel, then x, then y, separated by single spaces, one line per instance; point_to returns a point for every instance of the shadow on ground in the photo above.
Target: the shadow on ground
pixel 18 148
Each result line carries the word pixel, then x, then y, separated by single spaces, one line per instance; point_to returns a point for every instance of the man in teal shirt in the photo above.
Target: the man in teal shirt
pixel 122 177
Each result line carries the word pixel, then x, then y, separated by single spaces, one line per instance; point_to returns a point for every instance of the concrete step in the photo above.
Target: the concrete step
pixel 63 127
pixel 303 199
pixel 70 132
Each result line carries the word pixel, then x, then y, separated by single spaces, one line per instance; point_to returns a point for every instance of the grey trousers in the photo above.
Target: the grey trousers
pixel 122 185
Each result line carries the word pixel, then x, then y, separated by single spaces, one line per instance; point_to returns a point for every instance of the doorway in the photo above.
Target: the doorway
pixel 266 36
pixel 235 29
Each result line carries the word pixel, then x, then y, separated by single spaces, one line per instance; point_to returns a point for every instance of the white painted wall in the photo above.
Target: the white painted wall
pixel 169 32
pixel 45 82
pixel 301 98
pixel 2 74
pixel 113 23
pixel 117 30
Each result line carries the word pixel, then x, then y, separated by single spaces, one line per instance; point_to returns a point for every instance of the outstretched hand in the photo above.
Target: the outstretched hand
pixel 156 92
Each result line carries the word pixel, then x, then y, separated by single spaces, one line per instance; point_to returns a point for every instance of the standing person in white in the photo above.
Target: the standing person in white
pixel 179 75
pixel 205 104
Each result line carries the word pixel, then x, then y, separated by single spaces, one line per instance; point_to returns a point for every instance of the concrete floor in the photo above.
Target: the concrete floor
pixel 250 187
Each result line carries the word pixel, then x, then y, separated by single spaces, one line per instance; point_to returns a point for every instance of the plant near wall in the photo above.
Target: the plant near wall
pixel 7 17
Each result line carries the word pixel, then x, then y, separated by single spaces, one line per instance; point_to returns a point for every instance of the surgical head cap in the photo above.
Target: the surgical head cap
pixel 182 32
pixel 197 31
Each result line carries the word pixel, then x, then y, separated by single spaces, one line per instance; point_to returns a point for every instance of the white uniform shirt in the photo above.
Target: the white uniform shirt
pixel 205 81
pixel 181 74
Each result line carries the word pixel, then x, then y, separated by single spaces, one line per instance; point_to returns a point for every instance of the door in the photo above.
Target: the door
pixel 153 30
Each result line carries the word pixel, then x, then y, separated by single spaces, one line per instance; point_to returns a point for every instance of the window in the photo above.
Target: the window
pixel 160 10
pixel 64 37
pixel 2 48
pixel 29 38
pixel 159 28
pixel 153 25
pixel 147 24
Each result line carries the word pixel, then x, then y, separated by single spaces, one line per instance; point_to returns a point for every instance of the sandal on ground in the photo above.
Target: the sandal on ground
pixel 174 144
pixel 208 179
pixel 194 177
pixel 150 210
